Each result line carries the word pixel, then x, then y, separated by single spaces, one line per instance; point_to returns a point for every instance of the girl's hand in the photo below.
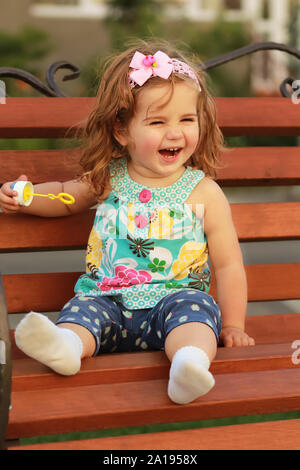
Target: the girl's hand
pixel 7 203
pixel 235 337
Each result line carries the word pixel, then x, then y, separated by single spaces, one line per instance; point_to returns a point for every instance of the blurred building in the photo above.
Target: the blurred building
pixel 268 20
pixel 76 27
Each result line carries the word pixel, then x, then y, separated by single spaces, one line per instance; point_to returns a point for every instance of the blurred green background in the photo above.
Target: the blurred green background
pixel 36 33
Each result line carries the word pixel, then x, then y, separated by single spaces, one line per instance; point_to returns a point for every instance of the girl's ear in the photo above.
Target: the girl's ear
pixel 120 134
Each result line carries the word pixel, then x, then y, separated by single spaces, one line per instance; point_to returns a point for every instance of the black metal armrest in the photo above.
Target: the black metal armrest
pixel 5 367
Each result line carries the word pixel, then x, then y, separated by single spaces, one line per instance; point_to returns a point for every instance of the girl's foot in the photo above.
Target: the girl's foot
pixel 58 348
pixel 189 375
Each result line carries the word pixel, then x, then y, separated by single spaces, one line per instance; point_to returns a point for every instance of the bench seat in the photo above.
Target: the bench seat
pixel 110 390
pixel 130 389
pixel 252 436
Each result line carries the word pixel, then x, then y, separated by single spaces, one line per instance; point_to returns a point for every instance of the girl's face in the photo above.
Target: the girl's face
pixel 161 139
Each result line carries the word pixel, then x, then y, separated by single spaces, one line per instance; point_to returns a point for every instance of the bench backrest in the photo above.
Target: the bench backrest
pixel 245 166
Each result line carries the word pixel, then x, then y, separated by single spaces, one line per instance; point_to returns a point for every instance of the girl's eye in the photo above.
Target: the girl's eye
pixel 188 119
pixel 153 123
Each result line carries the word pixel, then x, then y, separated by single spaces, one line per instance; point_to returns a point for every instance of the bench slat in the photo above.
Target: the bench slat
pixel 257 116
pixel 275 435
pixel 38 292
pixel 254 222
pixel 267 221
pixel 48 292
pixel 39 165
pixel 274 328
pixel 29 374
pixel 44 233
pixel 243 165
pixel 42 117
pixel 124 404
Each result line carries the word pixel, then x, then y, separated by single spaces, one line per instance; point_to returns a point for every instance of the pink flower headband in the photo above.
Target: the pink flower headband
pixel 158 65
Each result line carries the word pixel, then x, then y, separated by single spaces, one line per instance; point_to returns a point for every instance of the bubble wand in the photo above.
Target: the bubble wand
pixel 26 193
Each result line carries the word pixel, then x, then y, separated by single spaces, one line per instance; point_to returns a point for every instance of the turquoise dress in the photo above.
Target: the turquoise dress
pixel 146 242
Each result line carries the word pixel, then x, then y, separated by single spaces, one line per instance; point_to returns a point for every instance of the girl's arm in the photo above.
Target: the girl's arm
pixel 46 207
pixel 226 258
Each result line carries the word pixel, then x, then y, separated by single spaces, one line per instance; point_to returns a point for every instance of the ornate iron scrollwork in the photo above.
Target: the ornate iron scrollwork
pixel 52 89
pixel 250 49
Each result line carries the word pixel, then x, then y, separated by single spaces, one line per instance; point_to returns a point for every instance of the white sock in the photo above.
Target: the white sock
pixel 58 348
pixel 189 375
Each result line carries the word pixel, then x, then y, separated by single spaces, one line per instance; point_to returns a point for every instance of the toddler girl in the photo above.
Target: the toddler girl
pixel 152 146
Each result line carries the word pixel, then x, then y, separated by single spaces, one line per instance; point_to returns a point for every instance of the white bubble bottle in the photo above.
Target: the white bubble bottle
pixel 26 194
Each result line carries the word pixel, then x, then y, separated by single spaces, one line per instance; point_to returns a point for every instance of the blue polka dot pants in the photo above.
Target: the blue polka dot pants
pixel 116 328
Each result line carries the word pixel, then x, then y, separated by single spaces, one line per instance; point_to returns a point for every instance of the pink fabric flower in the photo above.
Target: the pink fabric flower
pixel 147 66
pixel 160 65
pixel 124 277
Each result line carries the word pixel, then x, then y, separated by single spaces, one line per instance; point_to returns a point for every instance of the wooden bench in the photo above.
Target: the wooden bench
pixel 120 390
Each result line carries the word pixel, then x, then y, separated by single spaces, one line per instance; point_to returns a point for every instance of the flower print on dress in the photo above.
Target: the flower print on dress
pixel 130 216
pixel 124 277
pixel 93 253
pixel 157 265
pixel 177 213
pixel 201 278
pixel 191 255
pixel 139 246
pixel 161 259
pixel 174 285
pixel 106 220
pixel 170 223
pixel 160 224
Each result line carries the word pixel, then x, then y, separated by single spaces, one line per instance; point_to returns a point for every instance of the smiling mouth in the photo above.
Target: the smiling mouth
pixel 170 152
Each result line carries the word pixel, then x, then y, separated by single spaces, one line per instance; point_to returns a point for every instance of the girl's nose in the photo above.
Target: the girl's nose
pixel 174 133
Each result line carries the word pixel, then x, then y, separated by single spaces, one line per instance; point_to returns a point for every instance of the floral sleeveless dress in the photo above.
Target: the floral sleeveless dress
pixel 146 242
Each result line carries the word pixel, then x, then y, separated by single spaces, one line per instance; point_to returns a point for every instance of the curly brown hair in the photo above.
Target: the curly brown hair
pixel 116 105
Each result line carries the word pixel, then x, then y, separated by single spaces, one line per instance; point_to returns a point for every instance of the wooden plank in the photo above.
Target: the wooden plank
pixel 48 292
pixel 39 292
pixel 44 233
pixel 138 403
pixel 272 329
pixel 254 222
pixel 267 221
pixel 275 435
pixel 244 166
pixel 273 281
pixel 42 117
pixel 257 116
pixel 39 165
pixel 29 374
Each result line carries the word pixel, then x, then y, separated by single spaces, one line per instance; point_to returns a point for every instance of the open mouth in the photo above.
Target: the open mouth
pixel 170 153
